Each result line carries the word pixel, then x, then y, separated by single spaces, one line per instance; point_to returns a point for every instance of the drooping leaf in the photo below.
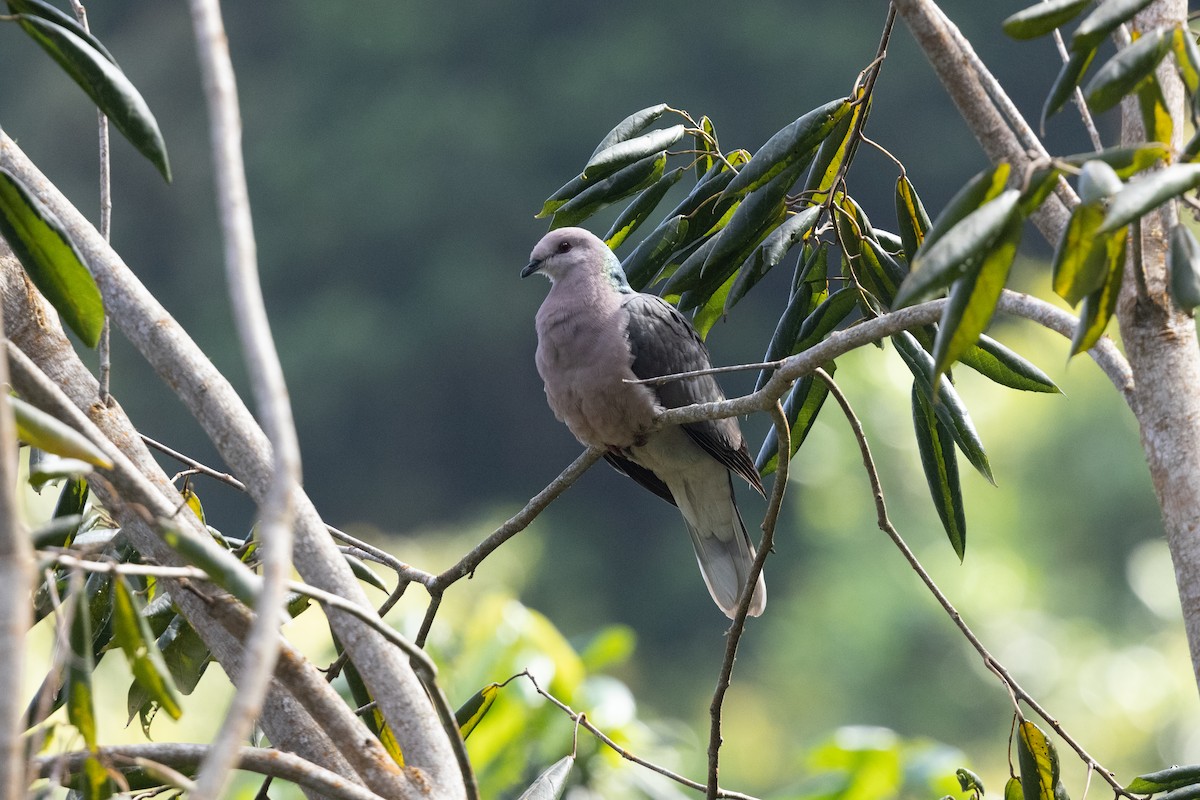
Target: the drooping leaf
pixel 1099 306
pixel 711 309
pixel 940 464
pixel 1041 18
pixel 1187 58
pixel 1183 259
pixel 364 573
pixel 800 305
pixel 759 212
pixel 104 83
pixel 911 217
pixel 1012 789
pixel 631 126
pixel 132 634
pixel 838 148
pixel 801 407
pixel 1069 76
pixel 617 186
pixel 833 311
pixel 1156 117
pixel 794 145
pixel 550 784
pixel 1097 25
pixel 45 432
pixel 707 149
pixel 688 275
pixel 1126 160
pixel 1084 256
pixel 225 572
pixel 648 258
pixel 943 260
pixel 50 258
pixel 772 250
pixel 39 8
pixel 471 712
pixel 871 267
pixel 632 150
pixel 1164 780
pixel 984 186
pixel 185 654
pixel 81 710
pixel 1149 192
pixel 1038 760
pixel 969 781
pixel 946 403
pixel 973 297
pixel 641 208
pixel 1001 365
pixel 1127 69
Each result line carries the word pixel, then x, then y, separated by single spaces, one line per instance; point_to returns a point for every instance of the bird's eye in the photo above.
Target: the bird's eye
pixel 564 247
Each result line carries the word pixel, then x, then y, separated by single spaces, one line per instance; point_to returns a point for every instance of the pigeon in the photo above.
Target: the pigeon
pixel 595 334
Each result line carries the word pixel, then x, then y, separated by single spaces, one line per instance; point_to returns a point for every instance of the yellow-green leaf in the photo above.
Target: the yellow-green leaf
pixel 1156 118
pixel 1187 57
pixel 80 707
pixel 801 407
pixel 911 217
pixel 1038 761
pixel 640 209
pixel 1001 365
pixel 793 145
pixel 646 261
pixel 619 185
pixel 940 464
pixel 1084 256
pixel 1127 69
pixel 1148 193
pixel 471 712
pixel 1099 306
pixel 1068 78
pixel 37 428
pixel 132 634
pixel 1126 160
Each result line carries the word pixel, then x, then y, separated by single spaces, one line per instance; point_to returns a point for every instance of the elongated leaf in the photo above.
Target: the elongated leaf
pixel 1187 58
pixel 641 208
pixel 798 307
pixel 226 573
pixel 1099 306
pixel 1012 789
pixel 1164 780
pixel 1039 763
pixel 629 151
pixel 1127 69
pixel 132 634
pixel 941 262
pixel 911 217
pixel 105 83
pixel 644 263
pixel 1148 193
pixel 940 464
pixel 1125 160
pixel 562 194
pixel 711 309
pixel 45 432
pixel 39 8
pixel 947 404
pixel 1156 117
pixel 185 654
pixel 1065 83
pixel 1097 25
pixel 1041 18
pixel 1084 256
pixel 1184 262
pixel 706 146
pixel 794 145
pixel 50 259
pixel 550 784
pixel 603 193
pixel 1001 365
pixel 984 186
pixel 364 573
pixel 80 707
pixel 837 149
pixel 973 298
pixel 754 217
pixel 471 712
pixel 801 407
pixel 826 317
pixel 687 276
pixel 772 250
pixel 631 126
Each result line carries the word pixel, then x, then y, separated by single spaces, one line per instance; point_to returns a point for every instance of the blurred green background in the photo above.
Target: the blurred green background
pixel 397 153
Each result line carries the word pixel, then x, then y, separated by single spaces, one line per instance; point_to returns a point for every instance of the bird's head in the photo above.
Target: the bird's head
pixel 575 254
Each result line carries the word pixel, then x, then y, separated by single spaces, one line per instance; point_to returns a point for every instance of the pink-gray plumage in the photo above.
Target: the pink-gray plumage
pixel 594 332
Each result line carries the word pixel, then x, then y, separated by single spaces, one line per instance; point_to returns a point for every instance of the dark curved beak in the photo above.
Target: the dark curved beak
pixel 530 268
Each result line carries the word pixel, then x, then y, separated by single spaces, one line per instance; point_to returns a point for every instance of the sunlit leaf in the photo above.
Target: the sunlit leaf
pixel 711 309
pixel 1099 306
pixel 641 208
pixel 37 428
pixel 1164 780
pixel 1156 117
pixel 1041 18
pixel 104 83
pixel 471 712
pixel 1069 76
pixel 801 407
pixel 1039 763
pixel 602 193
pixel 1149 192
pixel 50 258
pixel 688 275
pixel 792 146
pixel 632 150
pixel 1187 57
pixel 230 575
pixel 1001 365
pixel 772 250
pixel 132 634
pixel 969 781
pixel 52 468
pixel 837 149
pixel 1084 255
pixel 648 258
pixel 831 313
pixel 550 784
pixel 800 305
pixel 706 147
pixel 1097 25
pixel 1183 260
pixel 631 126
pixel 364 573
pixel 911 217
pixel 1127 69
pixel 1125 160
pixel 940 464
pixel 1012 789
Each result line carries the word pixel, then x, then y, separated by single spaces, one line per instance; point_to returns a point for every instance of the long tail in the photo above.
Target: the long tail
pixel 723 550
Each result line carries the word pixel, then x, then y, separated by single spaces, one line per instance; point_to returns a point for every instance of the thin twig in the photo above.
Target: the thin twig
pixel 200 468
pixel 1085 113
pixel 406 572
pixel 989 661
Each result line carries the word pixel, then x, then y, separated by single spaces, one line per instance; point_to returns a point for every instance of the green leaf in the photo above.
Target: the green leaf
pixel 1127 69
pixel 229 574
pixel 105 83
pixel 80 707
pixel 364 573
pixel 1099 306
pixel 1148 193
pixel 1084 255
pixel 760 211
pixel 969 781
pixel 1156 118
pixel 186 655
pixel 629 151
pixel 1001 365
pixel 562 194
pixel 985 186
pixel 1187 58
pixel 801 304
pixel 1125 160
pixel 50 258
pixel 132 634
pixel 706 147
pixel 832 312
pixel 1068 79
pixel 1097 25
pixel 801 407
pixel 974 296
pixel 1012 789
pixel 57 532
pixel 602 193
pixel 1183 259
pixel 37 428
pixel 648 258
pixel 947 404
pixel 940 464
pixel 1165 780
pixel 1041 18
pixel 1039 763
pixel 471 712
pixel 838 148
pixel 942 260
pixel 792 146
pixel 772 250
pixel 711 310
pixel 550 784
pixel 687 276
pixel 866 261
pixel 911 217
pixel 640 209
pixel 39 8
pixel 631 126
pixel 52 468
